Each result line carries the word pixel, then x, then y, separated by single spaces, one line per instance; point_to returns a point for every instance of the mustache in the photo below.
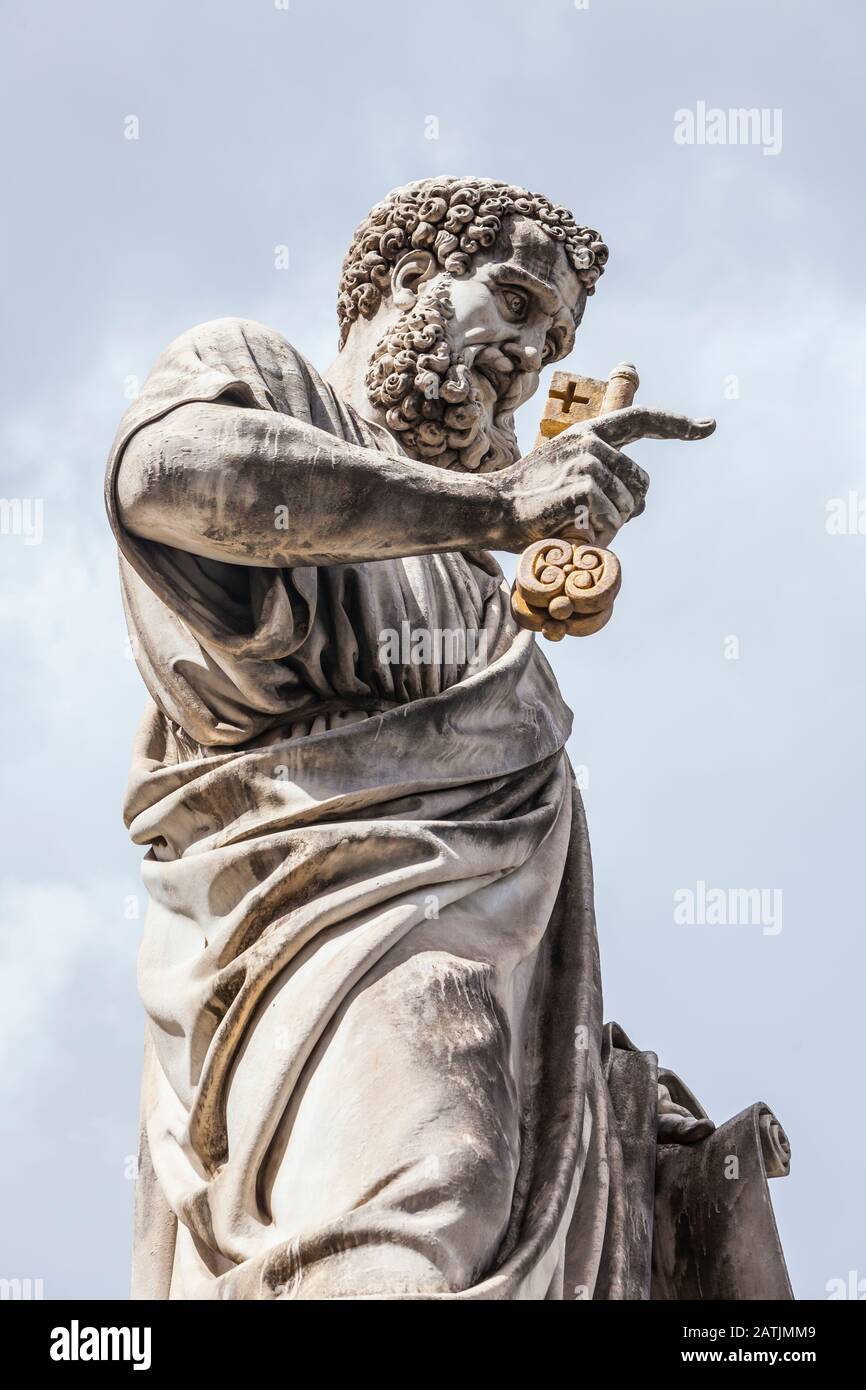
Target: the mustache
pixel 511 383
pixel 495 446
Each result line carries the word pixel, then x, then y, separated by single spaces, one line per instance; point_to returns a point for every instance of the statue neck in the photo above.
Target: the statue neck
pixel 347 372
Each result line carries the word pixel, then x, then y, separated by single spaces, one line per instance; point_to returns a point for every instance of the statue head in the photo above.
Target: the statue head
pixel 455 292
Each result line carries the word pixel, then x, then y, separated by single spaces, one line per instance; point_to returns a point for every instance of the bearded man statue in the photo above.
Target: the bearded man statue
pixel 375 1062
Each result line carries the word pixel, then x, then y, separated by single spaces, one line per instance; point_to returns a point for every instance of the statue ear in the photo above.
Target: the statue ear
pixel 410 271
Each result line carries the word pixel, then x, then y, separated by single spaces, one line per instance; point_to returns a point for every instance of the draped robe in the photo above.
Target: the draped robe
pixel 375 1065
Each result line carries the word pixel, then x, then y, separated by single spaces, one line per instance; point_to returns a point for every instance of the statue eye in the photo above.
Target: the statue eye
pixel 517 303
pixel 552 349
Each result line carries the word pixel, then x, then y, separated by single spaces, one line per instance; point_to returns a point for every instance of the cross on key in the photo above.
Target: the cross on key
pixel 568 395
pixel 569 399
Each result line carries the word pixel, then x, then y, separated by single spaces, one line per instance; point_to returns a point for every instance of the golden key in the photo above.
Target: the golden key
pixel 566 585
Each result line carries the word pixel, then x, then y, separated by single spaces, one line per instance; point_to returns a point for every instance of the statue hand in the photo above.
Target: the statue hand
pixel 581 481
pixel 676 1124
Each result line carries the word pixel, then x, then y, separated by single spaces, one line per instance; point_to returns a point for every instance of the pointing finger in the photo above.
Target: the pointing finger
pixel 641 422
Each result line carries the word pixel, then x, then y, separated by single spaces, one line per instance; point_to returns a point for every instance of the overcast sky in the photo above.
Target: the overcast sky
pixel 735 283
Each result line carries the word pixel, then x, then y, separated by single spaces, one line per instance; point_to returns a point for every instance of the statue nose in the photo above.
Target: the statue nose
pixel 524 356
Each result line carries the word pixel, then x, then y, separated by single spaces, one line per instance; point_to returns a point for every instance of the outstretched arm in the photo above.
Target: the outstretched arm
pixel 256 487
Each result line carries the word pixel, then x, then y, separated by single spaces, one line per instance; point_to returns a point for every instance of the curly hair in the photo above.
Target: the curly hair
pixel 454 219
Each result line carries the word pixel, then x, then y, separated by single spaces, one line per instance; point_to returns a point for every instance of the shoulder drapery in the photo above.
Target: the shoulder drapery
pixel 228 652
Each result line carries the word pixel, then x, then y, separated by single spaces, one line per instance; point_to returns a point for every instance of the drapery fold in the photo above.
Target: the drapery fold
pixel 375 1065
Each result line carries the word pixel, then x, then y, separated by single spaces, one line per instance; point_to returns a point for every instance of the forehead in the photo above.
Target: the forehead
pixel 526 246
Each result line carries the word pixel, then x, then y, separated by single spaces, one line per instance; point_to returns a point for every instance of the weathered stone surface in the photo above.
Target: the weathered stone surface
pixel 375 1061
pixel 715 1235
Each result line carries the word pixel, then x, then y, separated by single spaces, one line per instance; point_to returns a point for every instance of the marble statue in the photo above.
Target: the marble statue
pixel 375 1063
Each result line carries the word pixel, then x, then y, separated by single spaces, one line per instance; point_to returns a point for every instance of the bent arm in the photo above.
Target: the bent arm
pixel 252 487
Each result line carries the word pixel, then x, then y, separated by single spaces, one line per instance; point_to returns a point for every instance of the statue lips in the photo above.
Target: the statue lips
pixel 523 385
pixel 510 388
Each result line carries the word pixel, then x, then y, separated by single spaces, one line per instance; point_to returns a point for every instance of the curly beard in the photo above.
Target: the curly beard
pixel 433 397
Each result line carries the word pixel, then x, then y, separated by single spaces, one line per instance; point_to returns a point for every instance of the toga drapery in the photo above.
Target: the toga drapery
pixel 375 1065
